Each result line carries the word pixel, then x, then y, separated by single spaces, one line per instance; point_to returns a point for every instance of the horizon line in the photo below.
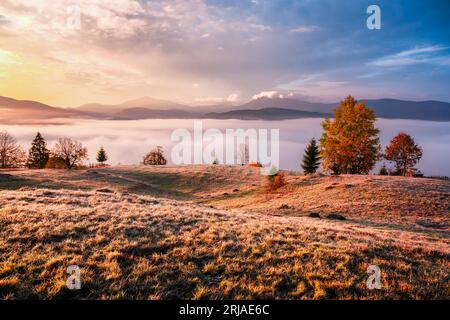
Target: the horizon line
pixel 223 103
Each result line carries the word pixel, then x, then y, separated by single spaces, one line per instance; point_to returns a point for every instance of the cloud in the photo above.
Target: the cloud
pixel 420 50
pixel 120 18
pixel 233 97
pixel 128 48
pixel 419 55
pixel 260 27
pixel 304 29
pixel 268 94
pixel 248 26
pixel 316 87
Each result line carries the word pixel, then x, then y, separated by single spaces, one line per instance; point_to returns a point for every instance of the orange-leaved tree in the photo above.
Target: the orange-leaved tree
pixel 404 152
pixel 350 142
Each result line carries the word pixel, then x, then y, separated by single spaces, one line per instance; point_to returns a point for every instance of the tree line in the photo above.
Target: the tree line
pixel 65 154
pixel 350 144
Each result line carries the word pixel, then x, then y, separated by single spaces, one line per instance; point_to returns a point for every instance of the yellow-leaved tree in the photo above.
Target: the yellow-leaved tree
pixel 350 142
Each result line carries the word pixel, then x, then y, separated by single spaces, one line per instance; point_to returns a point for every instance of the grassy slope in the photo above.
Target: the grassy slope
pixel 211 232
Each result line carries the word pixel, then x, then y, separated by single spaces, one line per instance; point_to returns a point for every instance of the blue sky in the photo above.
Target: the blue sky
pixel 409 57
pixel 211 51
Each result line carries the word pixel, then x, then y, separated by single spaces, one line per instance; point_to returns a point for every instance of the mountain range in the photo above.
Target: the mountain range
pixel 25 111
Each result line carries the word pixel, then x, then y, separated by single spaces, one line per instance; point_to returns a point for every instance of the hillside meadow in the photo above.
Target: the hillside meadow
pixel 213 232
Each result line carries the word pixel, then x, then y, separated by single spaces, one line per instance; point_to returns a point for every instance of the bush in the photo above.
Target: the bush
pixel 55 163
pixel 414 173
pixel 383 171
pixel 255 164
pixel 155 157
pixel 275 181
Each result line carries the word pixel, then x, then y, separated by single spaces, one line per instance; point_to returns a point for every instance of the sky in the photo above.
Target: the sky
pixel 67 53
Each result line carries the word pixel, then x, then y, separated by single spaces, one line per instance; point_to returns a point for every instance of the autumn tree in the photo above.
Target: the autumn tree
pixel 350 142
pixel 102 156
pixel 311 158
pixel 11 153
pixel 72 152
pixel 404 152
pixel 38 154
pixel 155 157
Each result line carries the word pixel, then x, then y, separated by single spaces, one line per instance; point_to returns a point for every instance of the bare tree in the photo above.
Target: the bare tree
pixel 244 155
pixel 11 153
pixel 72 152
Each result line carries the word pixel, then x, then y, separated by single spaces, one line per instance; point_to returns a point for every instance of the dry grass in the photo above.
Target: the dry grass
pixel 150 233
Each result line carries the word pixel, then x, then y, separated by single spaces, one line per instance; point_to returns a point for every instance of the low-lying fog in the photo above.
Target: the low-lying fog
pixel 128 141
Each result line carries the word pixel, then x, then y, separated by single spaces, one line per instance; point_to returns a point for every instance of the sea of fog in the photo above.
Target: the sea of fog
pixel 127 141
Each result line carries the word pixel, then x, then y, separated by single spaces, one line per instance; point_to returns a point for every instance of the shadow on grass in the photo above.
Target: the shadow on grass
pixel 408 227
pixel 174 185
pixel 13 182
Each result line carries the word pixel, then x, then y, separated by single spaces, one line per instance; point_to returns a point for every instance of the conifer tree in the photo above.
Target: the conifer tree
pixel 311 158
pixel 102 156
pixel 38 154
